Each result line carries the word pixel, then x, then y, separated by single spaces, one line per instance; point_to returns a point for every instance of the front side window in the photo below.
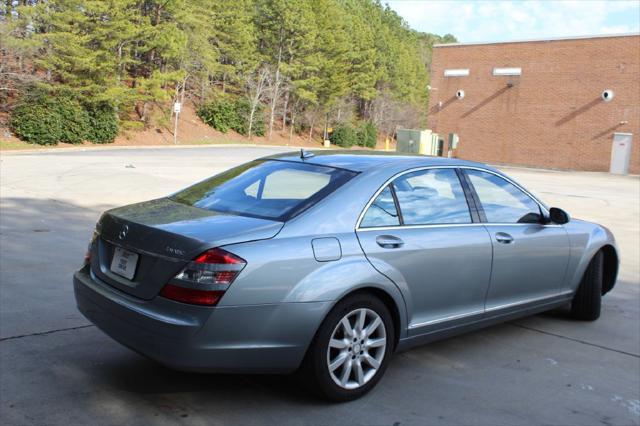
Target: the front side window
pixel 432 196
pixel 265 189
pixel 502 201
pixel 382 212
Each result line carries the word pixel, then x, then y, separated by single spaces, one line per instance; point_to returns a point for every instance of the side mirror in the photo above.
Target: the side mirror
pixel 558 216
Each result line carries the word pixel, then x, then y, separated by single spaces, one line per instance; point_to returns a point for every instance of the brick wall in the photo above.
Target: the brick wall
pixel 553 115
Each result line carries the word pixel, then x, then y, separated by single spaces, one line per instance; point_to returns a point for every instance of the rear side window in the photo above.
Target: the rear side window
pixel 382 212
pixel 433 196
pixel 266 189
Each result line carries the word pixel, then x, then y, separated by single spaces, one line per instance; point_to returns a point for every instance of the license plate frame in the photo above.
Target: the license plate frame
pixel 124 263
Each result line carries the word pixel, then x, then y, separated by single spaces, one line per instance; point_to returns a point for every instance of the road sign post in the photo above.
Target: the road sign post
pixel 177 106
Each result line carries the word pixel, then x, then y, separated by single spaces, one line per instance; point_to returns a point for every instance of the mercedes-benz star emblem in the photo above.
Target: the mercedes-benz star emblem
pixel 123 233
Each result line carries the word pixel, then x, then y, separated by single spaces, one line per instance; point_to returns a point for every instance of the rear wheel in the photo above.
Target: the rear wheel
pixel 588 299
pixel 351 349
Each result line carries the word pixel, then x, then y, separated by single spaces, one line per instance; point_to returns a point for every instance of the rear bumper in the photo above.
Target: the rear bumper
pixel 257 338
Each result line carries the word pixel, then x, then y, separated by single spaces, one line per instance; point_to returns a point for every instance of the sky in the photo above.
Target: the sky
pixel 502 20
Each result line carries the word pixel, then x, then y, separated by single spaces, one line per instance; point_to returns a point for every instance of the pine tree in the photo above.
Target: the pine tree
pixel 285 36
pixel 314 59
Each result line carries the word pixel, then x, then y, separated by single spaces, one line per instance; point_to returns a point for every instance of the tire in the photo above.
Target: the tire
pixel 359 350
pixel 587 301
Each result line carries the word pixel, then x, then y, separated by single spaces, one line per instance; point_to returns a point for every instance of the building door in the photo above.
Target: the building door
pixel 621 153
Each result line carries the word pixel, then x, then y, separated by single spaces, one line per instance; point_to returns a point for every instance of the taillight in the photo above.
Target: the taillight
pixel 87 255
pixel 205 279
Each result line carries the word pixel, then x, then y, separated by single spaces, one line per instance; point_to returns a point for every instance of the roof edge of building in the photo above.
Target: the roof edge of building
pixel 538 40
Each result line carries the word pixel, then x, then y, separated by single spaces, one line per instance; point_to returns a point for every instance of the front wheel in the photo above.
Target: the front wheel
pixel 352 348
pixel 588 299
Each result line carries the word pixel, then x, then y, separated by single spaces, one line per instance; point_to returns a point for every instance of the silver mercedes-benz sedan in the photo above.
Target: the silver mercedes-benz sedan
pixel 327 263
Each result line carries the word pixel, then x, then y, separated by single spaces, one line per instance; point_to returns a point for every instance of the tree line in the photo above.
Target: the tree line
pixel 300 65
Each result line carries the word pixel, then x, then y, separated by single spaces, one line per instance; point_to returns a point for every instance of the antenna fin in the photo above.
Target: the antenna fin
pixel 304 154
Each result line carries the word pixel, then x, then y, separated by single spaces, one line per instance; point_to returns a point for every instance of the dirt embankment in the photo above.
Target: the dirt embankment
pixel 191 131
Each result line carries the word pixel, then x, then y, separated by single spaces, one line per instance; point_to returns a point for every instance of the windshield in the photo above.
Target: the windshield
pixel 266 189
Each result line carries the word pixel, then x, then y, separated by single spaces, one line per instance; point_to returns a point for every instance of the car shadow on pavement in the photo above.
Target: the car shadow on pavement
pixel 142 376
pixel 149 380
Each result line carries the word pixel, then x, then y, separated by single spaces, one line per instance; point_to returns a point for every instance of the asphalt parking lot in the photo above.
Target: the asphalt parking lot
pixel 56 368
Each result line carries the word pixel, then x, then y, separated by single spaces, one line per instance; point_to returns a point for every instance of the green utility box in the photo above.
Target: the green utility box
pixel 416 141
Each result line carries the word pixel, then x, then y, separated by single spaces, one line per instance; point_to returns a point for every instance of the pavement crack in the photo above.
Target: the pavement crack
pixel 44 333
pixel 575 340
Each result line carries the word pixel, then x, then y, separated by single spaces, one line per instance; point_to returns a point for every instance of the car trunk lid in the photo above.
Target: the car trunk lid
pixel 166 235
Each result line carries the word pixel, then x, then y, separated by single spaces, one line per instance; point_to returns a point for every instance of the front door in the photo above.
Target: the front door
pixel 529 258
pixel 419 232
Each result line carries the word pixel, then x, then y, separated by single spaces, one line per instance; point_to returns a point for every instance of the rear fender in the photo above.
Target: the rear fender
pixel 285 270
pixel 335 280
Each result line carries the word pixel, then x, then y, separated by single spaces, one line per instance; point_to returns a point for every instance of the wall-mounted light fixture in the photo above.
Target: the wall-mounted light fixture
pixel 460 94
pixel 507 71
pixel 458 72
pixel 607 95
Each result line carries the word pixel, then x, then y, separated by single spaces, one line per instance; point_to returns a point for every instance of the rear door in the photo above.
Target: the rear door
pixel 420 232
pixel 529 258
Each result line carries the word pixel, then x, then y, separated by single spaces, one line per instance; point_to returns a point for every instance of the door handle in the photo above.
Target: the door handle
pixel 504 238
pixel 389 241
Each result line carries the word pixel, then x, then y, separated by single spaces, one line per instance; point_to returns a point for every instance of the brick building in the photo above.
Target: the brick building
pixel 539 103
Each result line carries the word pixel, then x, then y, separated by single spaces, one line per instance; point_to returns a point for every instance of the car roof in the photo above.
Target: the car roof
pixel 362 161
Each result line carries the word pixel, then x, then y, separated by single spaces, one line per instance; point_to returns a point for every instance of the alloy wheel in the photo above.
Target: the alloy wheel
pixel 356 348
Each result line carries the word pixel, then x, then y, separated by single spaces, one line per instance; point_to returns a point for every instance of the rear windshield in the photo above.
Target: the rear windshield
pixel 266 189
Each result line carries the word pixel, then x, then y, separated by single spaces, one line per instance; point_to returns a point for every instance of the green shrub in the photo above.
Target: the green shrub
pixel 242 110
pixel 134 125
pixel 37 122
pixel 367 135
pixel 74 119
pixel 103 123
pixel 344 136
pixel 225 114
pixel 46 118
pixel 220 114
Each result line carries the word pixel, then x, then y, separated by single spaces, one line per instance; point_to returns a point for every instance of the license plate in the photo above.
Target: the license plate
pixel 124 263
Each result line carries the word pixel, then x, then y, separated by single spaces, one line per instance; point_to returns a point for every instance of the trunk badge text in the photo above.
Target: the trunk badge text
pixel 123 233
pixel 174 250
